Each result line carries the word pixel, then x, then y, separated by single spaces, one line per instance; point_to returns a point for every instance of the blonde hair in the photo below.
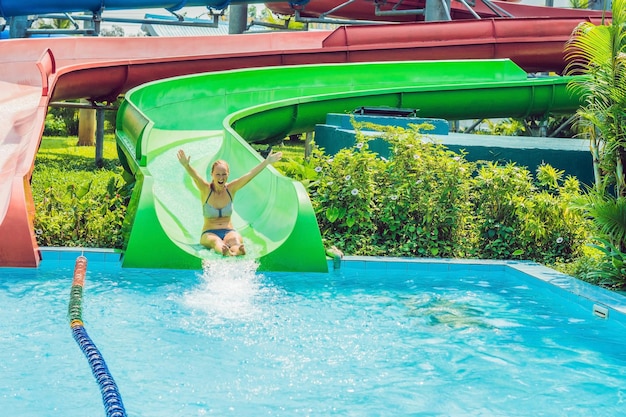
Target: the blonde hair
pixel 220 162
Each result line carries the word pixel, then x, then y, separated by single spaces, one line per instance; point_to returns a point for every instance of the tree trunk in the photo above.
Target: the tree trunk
pixel 86 127
pixel 594 146
pixel 619 172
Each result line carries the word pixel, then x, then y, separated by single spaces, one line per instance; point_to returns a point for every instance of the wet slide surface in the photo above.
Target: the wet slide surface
pixel 37 71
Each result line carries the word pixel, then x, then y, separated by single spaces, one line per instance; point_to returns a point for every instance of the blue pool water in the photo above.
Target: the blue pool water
pixel 371 339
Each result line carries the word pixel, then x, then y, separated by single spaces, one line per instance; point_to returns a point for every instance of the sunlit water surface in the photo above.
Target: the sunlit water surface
pixel 230 341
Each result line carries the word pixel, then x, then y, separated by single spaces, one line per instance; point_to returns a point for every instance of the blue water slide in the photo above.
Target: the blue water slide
pixel 9 8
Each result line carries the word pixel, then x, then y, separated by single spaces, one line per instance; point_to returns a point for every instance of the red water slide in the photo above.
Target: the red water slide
pixel 34 72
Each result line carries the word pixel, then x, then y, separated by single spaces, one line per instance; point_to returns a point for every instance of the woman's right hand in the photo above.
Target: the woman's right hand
pixel 183 159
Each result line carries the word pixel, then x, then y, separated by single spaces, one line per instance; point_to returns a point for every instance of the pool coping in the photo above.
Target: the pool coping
pixel 595 296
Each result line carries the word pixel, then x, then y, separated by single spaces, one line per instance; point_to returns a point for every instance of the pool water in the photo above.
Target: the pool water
pixel 353 342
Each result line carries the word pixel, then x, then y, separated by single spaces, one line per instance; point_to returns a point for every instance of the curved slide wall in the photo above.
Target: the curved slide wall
pixel 34 72
pixel 263 105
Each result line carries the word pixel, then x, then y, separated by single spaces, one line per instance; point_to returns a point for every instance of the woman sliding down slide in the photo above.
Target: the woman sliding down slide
pixel 217 207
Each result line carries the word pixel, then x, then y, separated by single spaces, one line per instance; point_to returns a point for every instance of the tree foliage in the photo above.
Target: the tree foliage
pixel 599 52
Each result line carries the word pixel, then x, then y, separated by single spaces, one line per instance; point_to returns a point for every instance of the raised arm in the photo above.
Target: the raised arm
pixel 246 178
pixel 200 182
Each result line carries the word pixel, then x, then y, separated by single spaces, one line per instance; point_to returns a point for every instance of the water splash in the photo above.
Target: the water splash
pixel 230 290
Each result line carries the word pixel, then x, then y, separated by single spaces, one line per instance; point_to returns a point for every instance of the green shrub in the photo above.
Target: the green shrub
pixel 425 200
pixel 429 201
pixel 89 213
pixel 61 121
pixel 607 215
pixel 76 203
pixel 54 125
pixel 414 204
pixel 609 268
pixel 345 198
pixel 519 216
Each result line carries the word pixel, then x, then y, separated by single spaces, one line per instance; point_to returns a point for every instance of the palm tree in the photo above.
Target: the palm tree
pixel 599 51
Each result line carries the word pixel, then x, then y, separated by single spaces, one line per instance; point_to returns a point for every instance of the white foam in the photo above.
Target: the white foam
pixel 230 290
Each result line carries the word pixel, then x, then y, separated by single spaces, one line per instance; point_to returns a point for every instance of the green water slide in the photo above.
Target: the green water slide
pixel 218 115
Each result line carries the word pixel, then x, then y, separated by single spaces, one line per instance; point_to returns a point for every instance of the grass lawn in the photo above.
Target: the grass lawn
pixel 65 147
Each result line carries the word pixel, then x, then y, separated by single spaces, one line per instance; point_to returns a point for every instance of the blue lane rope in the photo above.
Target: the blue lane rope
pixel 111 398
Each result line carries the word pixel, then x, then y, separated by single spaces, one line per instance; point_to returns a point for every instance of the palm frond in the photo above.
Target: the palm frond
pixel 588 46
pixel 609 215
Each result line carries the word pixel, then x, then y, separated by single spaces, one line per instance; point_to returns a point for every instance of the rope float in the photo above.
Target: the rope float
pixel 111 397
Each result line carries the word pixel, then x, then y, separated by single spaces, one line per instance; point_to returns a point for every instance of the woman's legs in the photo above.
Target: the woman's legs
pixel 235 243
pixel 214 242
pixel 232 245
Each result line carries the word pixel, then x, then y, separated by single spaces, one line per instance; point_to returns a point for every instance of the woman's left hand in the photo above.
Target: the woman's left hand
pixel 274 157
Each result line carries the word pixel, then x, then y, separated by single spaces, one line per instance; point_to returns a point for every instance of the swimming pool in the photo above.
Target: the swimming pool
pixel 374 338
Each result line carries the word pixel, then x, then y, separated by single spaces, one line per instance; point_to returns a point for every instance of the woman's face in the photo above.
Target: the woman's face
pixel 220 175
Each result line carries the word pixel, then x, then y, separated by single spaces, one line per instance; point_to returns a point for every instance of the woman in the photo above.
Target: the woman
pixel 217 203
